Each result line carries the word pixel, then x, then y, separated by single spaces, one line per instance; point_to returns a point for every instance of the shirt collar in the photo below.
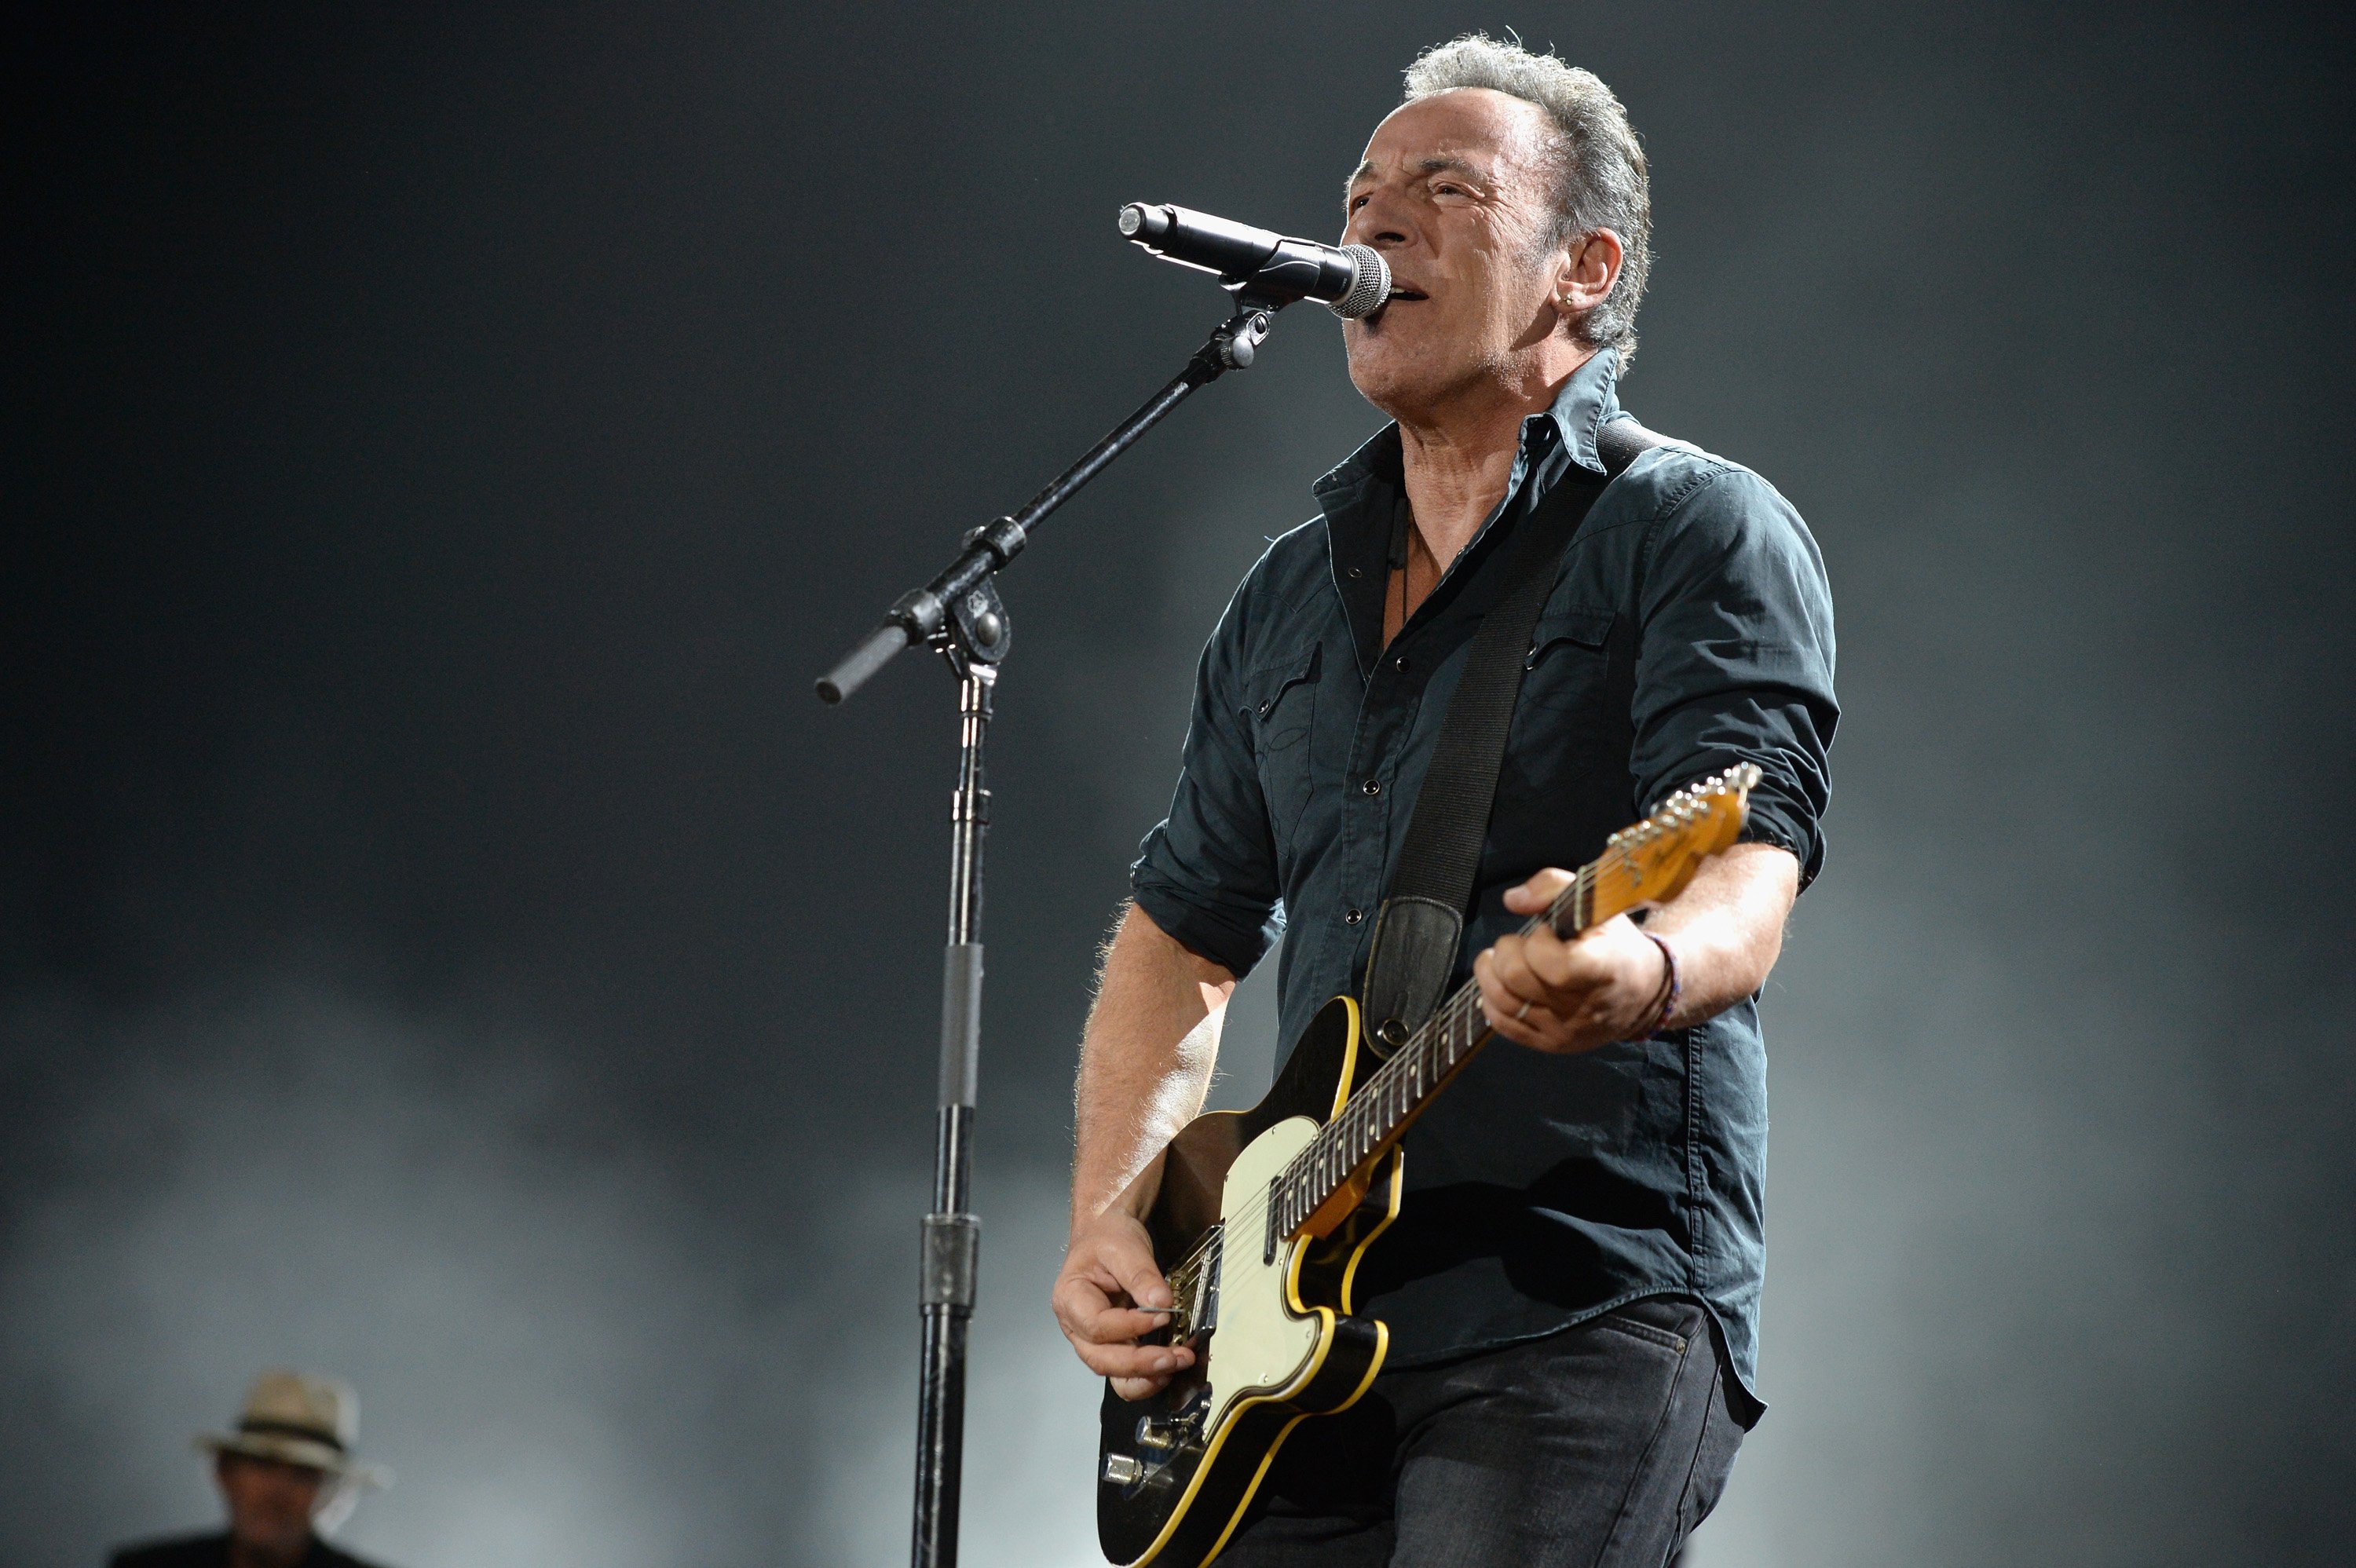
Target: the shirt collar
pixel 1588 401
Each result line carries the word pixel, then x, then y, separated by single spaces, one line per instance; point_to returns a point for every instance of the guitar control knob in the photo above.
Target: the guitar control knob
pixel 1121 1470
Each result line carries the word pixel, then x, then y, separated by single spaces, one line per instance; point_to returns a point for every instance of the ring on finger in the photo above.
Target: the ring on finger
pixel 1523 1014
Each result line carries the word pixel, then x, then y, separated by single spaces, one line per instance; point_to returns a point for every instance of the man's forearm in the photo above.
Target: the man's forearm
pixel 1152 1038
pixel 1607 985
pixel 1728 927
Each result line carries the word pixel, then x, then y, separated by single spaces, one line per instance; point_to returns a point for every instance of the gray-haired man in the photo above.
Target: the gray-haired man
pixel 1572 1285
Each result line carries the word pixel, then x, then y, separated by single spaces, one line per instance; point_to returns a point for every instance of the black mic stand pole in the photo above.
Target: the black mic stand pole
pixel 959 615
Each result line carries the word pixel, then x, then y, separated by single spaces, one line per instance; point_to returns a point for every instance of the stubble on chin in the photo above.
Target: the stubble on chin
pixel 1386 375
pixel 1409 384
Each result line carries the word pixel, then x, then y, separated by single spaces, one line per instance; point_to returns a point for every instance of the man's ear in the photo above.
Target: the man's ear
pixel 1590 265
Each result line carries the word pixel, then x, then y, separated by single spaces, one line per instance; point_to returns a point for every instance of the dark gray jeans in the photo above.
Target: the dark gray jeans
pixel 1601 1446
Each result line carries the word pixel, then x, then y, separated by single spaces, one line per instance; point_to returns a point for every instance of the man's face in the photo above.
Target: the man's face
pixel 270 1504
pixel 1454 192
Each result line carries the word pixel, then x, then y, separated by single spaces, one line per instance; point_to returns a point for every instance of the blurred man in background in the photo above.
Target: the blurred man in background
pixel 288 1476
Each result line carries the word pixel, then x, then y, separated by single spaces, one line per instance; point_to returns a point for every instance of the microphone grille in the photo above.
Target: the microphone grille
pixel 1369 289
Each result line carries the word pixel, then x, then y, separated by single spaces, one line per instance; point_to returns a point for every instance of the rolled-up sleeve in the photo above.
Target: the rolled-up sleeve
pixel 1207 874
pixel 1734 660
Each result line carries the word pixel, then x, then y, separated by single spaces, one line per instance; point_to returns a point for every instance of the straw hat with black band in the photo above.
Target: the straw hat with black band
pixel 299 1418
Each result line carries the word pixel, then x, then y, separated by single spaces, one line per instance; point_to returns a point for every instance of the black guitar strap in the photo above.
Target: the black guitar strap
pixel 1421 924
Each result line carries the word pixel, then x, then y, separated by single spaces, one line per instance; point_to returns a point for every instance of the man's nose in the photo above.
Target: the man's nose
pixel 1379 221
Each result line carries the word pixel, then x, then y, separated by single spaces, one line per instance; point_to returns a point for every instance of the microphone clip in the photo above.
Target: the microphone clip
pixel 1236 343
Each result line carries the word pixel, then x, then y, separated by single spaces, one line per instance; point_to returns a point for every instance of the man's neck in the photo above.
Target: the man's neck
pixel 1459 455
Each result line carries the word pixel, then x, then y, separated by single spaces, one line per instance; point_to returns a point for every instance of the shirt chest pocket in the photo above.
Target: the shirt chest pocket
pixel 1569 664
pixel 1282 697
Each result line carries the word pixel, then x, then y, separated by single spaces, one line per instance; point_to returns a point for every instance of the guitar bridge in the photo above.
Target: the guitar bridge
pixel 1194 1312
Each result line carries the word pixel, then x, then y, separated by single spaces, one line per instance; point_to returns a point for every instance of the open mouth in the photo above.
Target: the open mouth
pixel 1397 294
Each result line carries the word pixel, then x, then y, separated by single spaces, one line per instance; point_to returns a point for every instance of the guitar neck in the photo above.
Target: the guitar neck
pixel 1649 862
pixel 1384 1106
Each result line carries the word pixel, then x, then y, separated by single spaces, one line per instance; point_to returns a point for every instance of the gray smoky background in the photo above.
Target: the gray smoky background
pixel 442 941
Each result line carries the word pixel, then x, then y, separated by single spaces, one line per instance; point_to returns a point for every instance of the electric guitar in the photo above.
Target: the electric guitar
pixel 1263 1215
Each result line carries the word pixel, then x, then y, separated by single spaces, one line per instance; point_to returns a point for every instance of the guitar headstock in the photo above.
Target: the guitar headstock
pixel 1653 861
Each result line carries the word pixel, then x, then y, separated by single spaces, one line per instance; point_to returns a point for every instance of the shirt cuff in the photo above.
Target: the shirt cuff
pixel 1232 940
pixel 1774 820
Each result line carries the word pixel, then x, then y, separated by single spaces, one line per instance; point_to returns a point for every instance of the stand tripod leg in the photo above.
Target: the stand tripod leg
pixel 952 1237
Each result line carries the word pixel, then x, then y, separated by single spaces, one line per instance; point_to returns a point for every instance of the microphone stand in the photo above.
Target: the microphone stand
pixel 958 615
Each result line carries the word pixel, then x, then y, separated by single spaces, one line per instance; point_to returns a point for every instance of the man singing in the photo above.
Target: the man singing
pixel 1573 1285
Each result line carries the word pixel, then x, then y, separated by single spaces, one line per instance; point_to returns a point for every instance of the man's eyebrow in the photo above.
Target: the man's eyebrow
pixel 1434 165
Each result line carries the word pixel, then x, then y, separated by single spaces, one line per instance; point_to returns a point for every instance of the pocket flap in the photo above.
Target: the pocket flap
pixel 1588 628
pixel 1266 687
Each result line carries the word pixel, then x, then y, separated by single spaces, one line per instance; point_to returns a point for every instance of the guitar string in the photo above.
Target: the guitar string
pixel 1466 1002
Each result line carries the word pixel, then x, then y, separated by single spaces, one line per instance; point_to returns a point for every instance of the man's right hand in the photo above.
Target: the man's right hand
pixel 1108 1294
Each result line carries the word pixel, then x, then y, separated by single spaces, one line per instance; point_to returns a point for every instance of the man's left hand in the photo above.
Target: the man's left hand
pixel 1568 997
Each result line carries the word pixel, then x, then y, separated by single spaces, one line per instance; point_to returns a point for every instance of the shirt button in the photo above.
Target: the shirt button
pixel 1264 708
pixel 1353 918
pixel 1399 663
pixel 1356 573
pixel 1372 786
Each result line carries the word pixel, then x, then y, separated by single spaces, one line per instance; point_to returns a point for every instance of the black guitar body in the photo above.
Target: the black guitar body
pixel 1176 1470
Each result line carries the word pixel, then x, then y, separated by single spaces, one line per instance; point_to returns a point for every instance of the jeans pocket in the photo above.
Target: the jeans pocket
pixel 1670 1325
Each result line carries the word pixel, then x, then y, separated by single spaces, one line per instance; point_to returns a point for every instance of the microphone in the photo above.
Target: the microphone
pixel 1351 280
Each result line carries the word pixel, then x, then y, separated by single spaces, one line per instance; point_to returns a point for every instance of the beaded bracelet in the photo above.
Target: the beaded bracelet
pixel 1673 987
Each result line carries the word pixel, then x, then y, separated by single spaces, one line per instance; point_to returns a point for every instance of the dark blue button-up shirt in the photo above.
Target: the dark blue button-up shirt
pixel 1689 628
